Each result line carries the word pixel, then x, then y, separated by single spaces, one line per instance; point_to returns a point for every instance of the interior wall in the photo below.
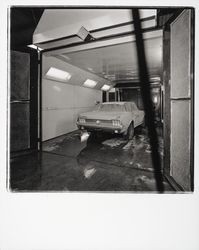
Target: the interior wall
pixel 130 95
pixel 62 102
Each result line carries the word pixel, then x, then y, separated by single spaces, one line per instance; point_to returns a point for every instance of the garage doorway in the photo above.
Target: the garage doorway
pixel 106 63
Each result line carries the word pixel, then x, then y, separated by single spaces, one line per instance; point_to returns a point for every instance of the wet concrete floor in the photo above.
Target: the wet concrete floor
pixel 103 163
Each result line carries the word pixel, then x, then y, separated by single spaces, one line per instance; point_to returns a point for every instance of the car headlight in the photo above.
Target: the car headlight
pixel 82 120
pixel 116 123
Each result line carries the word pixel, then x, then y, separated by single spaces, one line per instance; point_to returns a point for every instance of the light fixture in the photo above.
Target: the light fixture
pixel 58 75
pixel 105 87
pixel 34 47
pixel 90 83
pixel 155 99
pixel 112 90
pixel 84 34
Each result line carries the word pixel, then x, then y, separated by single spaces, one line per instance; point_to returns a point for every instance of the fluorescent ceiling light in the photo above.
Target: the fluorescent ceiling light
pixel 112 90
pixel 34 47
pixel 90 83
pixel 58 75
pixel 105 87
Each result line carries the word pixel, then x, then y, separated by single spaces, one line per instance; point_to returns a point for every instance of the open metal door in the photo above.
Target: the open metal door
pixel 23 102
pixel 180 101
pixel 20 101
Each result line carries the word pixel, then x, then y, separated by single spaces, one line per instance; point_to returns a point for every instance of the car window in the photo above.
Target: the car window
pixel 112 107
pixel 128 107
pixel 131 106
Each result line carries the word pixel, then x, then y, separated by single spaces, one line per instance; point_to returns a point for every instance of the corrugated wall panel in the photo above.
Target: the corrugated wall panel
pixel 181 123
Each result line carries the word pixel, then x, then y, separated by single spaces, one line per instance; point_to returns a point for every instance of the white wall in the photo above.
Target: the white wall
pixel 62 102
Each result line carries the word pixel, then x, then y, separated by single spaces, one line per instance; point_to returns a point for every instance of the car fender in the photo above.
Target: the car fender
pixel 126 120
pixel 136 117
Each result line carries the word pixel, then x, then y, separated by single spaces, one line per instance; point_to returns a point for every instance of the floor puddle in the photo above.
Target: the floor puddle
pixel 89 172
pixel 115 142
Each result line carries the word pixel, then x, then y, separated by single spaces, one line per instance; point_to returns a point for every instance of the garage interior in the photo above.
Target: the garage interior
pixel 47 152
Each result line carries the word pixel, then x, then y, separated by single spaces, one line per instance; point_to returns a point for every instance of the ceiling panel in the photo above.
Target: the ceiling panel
pixel 67 22
pixel 118 62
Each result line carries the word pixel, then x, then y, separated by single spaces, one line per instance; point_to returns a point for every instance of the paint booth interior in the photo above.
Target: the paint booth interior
pixel 112 62
pixel 78 64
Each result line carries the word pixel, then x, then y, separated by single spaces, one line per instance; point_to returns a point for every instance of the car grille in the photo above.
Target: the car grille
pixel 98 121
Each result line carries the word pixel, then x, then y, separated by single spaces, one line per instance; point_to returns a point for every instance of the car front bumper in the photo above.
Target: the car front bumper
pixel 108 128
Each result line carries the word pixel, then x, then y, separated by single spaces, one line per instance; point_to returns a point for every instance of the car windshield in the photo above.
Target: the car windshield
pixel 112 107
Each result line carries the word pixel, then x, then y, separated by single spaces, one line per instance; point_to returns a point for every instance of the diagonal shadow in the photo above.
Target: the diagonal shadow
pixel 146 97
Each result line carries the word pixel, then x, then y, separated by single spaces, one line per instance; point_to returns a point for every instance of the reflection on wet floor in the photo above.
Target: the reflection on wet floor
pixel 102 163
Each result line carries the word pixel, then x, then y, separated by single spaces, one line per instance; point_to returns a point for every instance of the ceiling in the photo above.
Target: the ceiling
pixel 24 21
pixel 113 58
pixel 67 22
pixel 117 63
pixel 113 62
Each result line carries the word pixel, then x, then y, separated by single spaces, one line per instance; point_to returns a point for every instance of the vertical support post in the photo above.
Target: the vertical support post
pixel 107 96
pixel 40 102
pixel 146 96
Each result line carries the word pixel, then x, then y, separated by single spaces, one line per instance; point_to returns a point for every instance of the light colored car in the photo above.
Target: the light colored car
pixel 113 117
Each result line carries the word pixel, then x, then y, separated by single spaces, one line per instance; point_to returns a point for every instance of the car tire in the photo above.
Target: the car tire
pixel 130 132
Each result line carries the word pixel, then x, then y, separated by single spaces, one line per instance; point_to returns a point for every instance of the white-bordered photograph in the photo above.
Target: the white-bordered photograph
pixel 99 125
pixel 101 99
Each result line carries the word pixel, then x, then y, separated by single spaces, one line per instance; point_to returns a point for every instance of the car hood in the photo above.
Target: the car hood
pixel 102 115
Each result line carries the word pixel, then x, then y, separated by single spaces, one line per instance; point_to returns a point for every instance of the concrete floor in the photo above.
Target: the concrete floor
pixel 106 163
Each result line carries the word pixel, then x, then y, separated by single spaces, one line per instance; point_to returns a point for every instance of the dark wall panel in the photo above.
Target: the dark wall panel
pixel 20 126
pixel 20 101
pixel 180 142
pixel 166 101
pixel 20 76
pixel 131 95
